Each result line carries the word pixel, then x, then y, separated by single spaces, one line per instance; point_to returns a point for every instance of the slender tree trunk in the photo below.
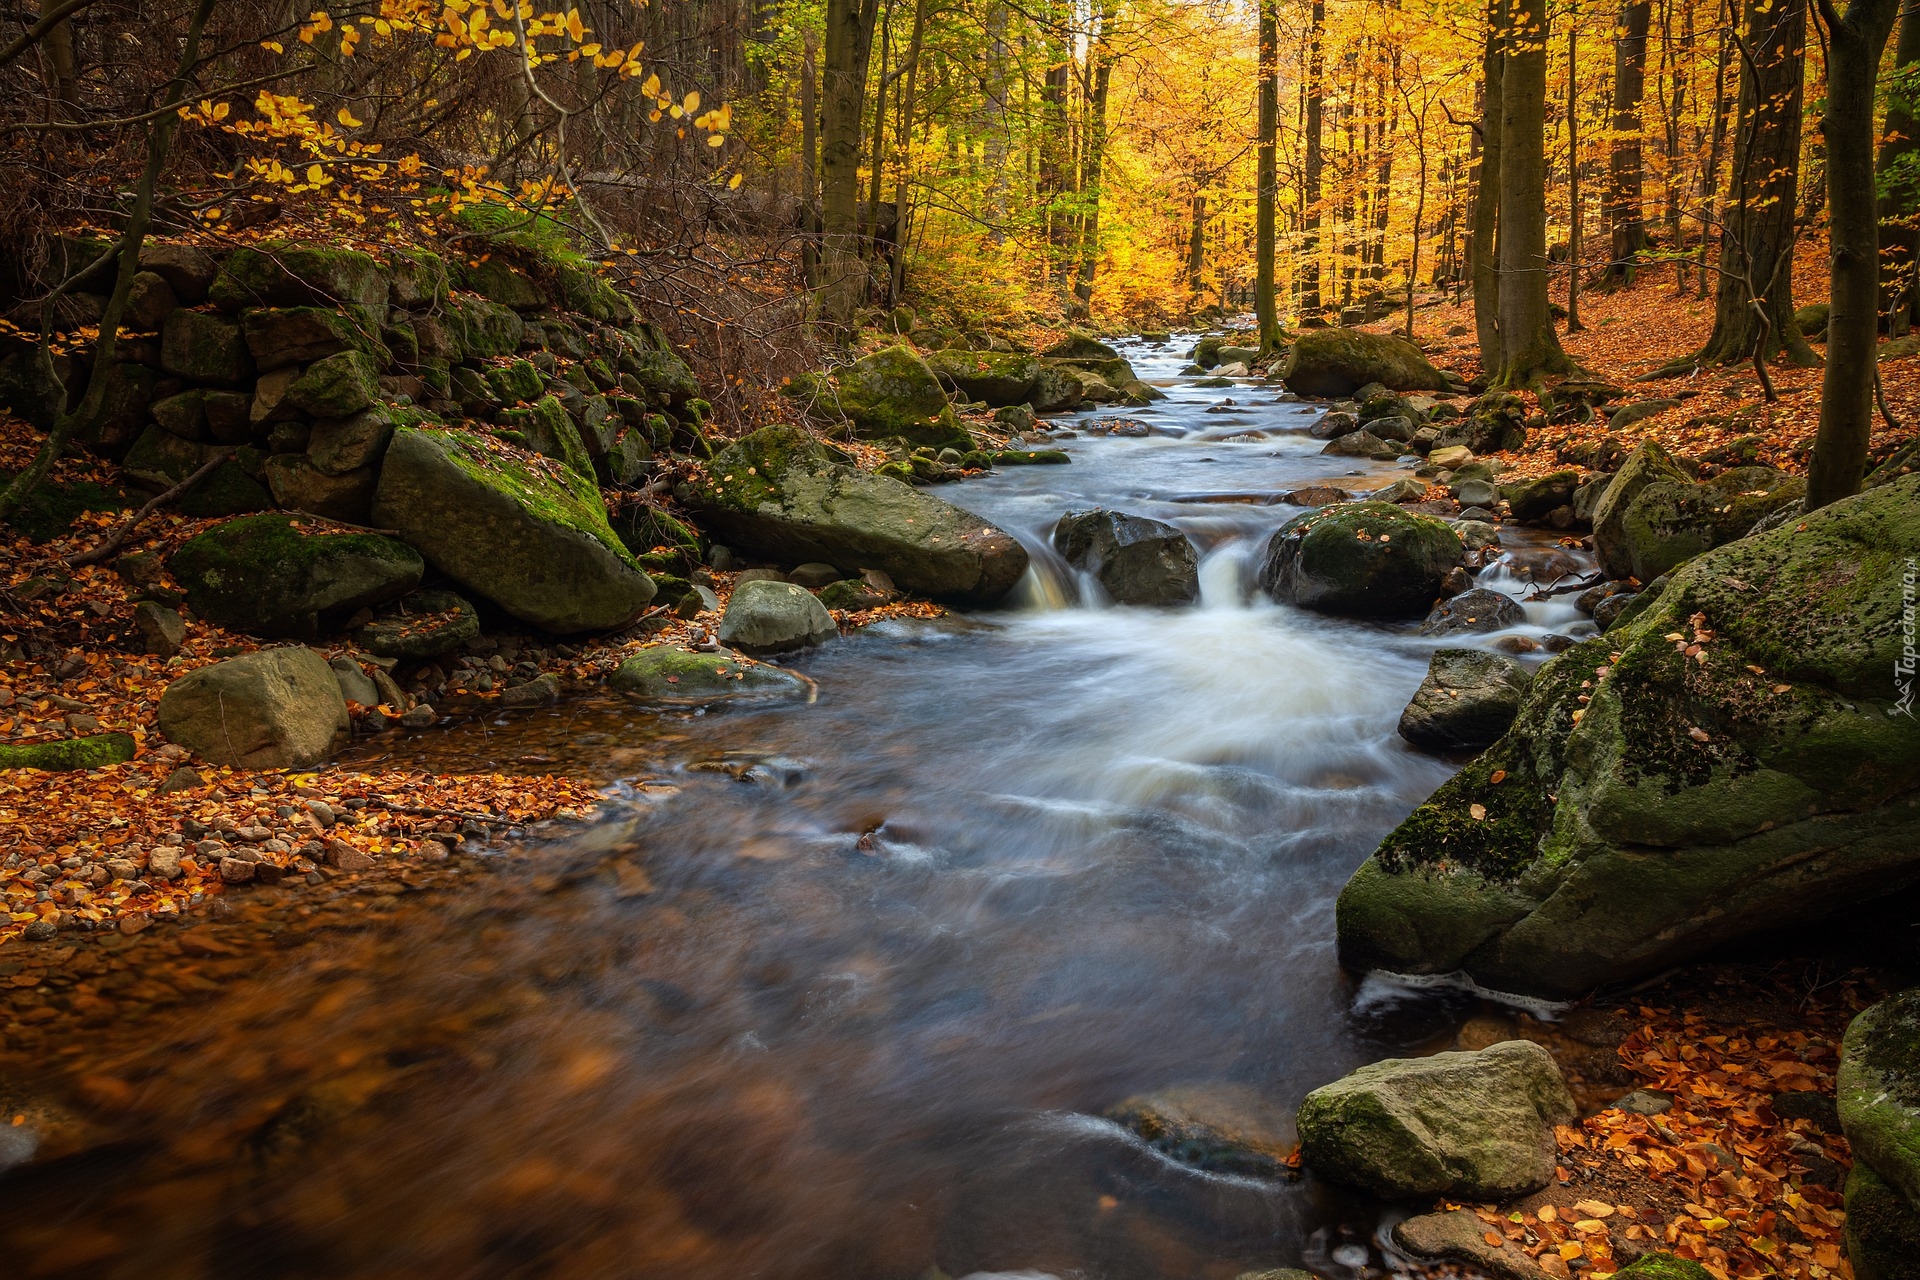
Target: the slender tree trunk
pixel 1710 176
pixel 1681 61
pixel 1846 393
pixel 810 166
pixel 877 160
pixel 1314 166
pixel 905 149
pixel 1530 347
pixel 1753 310
pixel 1197 249
pixel 1626 221
pixel 1265 306
pixel 1054 140
pixel 1899 206
pixel 1100 52
pixel 849 43
pixel 1573 171
pixel 1484 245
pixel 996 119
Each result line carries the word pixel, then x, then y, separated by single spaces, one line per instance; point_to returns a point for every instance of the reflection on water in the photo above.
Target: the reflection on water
pixel 900 948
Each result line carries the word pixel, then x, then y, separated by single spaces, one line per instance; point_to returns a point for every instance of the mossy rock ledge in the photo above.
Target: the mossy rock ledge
pixel 778 493
pixel 892 394
pixel 1735 758
pixel 293 576
pixel 1362 559
pixel 1878 1092
pixel 527 533
pixel 1330 363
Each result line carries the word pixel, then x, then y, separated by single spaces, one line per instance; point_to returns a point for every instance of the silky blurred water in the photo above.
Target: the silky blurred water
pixel 903 945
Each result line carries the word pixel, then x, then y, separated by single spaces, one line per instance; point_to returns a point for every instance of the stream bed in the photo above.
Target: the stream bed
pixel 842 989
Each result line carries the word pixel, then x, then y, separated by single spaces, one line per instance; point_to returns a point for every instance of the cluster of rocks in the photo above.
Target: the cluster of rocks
pixel 1731 756
pixel 1878 1093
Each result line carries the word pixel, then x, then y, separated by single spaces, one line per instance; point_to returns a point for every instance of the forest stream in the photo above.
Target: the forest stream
pixel 839 989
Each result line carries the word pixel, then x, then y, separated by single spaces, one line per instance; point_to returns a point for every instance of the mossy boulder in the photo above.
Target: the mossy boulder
pixel 337 387
pixel 50 508
pixel 1362 559
pixel 1663 1266
pixel 1058 388
pixel 997 378
pixel 645 355
pixel 1221 1127
pixel 1878 1092
pixel 1649 464
pixel 1080 346
pixel 672 673
pixel 204 348
pixel 1668 522
pixel 25 390
pixel 417 279
pixel 298 485
pixel 649 530
pixel 279 575
pixel 423 624
pixel 1811 320
pixel 1496 422
pixel 1331 363
pixel 1471 1126
pixel 892 394
pixel 547 429
pixel 92 752
pixel 280 336
pixel 1744 762
pixel 484 328
pixel 285 274
pixel 527 533
pixel 779 493
pixel 1883 1227
pixel 499 279
pixel 1538 497
pixel 275 709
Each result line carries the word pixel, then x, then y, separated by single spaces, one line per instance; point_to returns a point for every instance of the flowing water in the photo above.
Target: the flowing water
pixel 902 947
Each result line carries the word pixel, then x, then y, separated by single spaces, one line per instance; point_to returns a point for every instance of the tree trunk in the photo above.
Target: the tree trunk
pixel 877 159
pixel 1314 165
pixel 810 167
pixel 1265 306
pixel 1573 172
pixel 849 43
pixel 1710 175
pixel 1846 394
pixel 898 283
pixel 996 119
pixel 1529 346
pixel 1100 53
pixel 1197 248
pixel 1626 223
pixel 1753 309
pixel 1482 247
pixel 1899 206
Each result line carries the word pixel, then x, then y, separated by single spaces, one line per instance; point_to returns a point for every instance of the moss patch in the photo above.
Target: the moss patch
pixel 92 752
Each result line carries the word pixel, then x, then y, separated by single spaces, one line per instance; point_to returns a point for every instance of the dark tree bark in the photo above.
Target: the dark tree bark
pixel 849 44
pixel 1846 394
pixel 1197 247
pixel 1573 172
pixel 1753 308
pixel 1481 246
pixel 1626 221
pixel 1100 54
pixel 1900 138
pixel 1529 346
pixel 810 166
pixel 898 283
pixel 1265 305
pixel 1313 166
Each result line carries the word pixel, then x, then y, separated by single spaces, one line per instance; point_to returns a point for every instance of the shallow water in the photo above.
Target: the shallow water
pixel 902 946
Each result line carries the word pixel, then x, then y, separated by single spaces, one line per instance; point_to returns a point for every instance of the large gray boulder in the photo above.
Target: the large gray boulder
pixel 1330 363
pixel 275 709
pixel 1878 1092
pixel 1365 559
pixel 1477 609
pixel 1467 701
pixel 279 575
pixel 1474 1126
pixel 531 538
pixel 1136 560
pixel 1736 757
pixel 778 493
pixel 775 617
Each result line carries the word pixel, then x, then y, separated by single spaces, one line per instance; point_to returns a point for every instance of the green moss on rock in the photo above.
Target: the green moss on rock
pixel 280 575
pixel 282 273
pixel 1367 559
pixel 1330 363
pixel 93 752
pixel 893 394
pixel 674 673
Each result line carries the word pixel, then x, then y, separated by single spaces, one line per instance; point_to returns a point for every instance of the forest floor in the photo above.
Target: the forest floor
pixel 1631 332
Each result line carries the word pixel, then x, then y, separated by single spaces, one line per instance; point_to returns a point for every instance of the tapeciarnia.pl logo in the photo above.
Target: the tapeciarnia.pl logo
pixel 1904 665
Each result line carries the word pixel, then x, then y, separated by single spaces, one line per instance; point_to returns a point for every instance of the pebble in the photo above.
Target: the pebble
pixel 342 856
pixel 421 717
pixel 236 870
pixel 210 848
pixel 164 864
pixel 123 869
